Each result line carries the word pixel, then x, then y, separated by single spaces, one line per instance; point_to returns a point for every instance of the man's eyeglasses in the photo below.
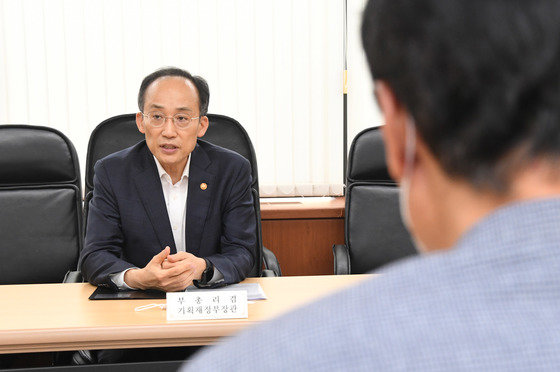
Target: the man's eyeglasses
pixel 157 119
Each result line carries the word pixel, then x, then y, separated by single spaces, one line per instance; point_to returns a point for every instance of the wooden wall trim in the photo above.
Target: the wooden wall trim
pixel 303 210
pixel 304 246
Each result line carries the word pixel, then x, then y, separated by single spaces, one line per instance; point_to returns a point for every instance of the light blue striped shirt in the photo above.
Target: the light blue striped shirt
pixel 492 303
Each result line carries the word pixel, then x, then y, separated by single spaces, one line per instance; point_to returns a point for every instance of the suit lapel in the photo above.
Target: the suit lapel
pixel 149 188
pixel 199 198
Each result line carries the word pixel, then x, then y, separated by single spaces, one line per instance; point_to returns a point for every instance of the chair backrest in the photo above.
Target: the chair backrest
pixel 120 132
pixel 375 234
pixel 40 205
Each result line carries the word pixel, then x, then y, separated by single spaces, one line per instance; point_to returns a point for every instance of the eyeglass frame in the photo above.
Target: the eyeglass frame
pixel 172 120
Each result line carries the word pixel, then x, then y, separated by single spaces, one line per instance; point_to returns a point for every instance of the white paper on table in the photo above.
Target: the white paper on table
pixel 254 290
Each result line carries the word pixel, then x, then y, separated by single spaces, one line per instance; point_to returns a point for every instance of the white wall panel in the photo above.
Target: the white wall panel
pixel 333 99
pixel 95 78
pixel 300 96
pixel 3 68
pixel 318 89
pixel 208 50
pixel 76 73
pixel 265 104
pixel 150 29
pixel 363 111
pixel 16 62
pixel 226 51
pixel 114 56
pixel 283 119
pixel 132 53
pixel 37 93
pixel 189 35
pixel 274 65
pixel 171 20
pixel 246 64
pixel 56 62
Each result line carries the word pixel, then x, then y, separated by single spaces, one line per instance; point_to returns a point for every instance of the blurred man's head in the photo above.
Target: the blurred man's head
pixel 480 82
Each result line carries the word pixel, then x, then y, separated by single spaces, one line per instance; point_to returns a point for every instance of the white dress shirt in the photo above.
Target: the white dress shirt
pixel 175 196
pixel 176 202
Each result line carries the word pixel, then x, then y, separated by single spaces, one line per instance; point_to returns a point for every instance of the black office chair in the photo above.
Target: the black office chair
pixel 120 132
pixel 374 232
pixel 40 204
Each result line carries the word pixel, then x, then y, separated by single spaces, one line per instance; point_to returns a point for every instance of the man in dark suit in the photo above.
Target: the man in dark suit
pixel 170 210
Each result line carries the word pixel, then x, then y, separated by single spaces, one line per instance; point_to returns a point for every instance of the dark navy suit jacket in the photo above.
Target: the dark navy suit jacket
pixel 128 222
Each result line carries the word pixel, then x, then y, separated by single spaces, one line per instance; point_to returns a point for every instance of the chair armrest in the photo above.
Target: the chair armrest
pixel 73 277
pixel 266 273
pixel 341 259
pixel 270 263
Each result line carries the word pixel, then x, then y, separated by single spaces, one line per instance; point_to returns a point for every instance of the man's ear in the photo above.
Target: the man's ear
pixel 140 122
pixel 394 130
pixel 202 126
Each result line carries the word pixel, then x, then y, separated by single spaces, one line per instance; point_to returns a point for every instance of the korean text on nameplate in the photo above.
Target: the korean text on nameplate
pixel 206 305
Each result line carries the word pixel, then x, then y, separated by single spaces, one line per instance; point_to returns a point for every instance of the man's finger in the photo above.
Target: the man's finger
pixel 179 256
pixel 183 283
pixel 167 265
pixel 178 283
pixel 179 269
pixel 161 256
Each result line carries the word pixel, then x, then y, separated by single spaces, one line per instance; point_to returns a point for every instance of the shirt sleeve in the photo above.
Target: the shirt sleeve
pixel 216 277
pixel 118 279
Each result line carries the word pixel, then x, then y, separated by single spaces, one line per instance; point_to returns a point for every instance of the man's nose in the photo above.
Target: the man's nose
pixel 169 129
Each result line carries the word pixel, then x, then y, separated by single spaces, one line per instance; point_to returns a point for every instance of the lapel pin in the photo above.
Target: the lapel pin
pixel 203 186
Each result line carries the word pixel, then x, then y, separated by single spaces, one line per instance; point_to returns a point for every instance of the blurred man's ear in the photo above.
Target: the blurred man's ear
pixel 140 122
pixel 394 130
pixel 203 126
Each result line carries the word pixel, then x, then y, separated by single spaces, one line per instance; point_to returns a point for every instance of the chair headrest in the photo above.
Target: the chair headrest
pixel 112 135
pixel 34 155
pixel 366 161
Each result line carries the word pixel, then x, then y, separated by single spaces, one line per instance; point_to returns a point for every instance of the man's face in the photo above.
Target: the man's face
pixel 172 95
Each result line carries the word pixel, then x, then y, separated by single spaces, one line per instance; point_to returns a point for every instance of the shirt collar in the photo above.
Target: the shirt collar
pixel 526 225
pixel 163 174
